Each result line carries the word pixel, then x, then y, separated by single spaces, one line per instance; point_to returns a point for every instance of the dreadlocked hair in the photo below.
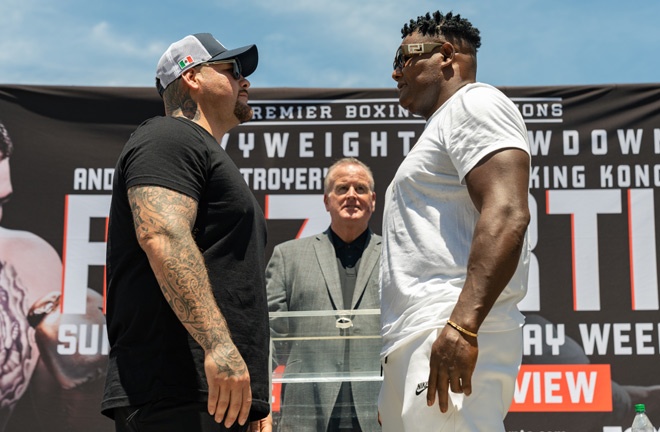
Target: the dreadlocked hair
pixel 451 26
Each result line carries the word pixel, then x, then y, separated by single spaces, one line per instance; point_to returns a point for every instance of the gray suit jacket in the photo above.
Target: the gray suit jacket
pixel 303 275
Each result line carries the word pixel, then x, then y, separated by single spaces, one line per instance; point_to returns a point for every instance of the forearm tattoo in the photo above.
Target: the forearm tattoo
pixel 163 221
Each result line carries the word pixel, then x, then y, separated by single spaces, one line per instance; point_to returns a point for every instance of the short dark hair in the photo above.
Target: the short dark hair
pixel 6 146
pixel 452 27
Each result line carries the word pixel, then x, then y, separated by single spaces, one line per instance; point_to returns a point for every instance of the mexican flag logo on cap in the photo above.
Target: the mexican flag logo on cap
pixel 185 62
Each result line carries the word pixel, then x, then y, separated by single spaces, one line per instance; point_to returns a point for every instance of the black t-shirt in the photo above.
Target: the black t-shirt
pixel 152 356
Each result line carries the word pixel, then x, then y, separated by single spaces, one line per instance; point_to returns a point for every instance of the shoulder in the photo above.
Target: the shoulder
pixel 483 107
pixel 376 239
pixel 484 99
pixel 25 243
pixel 35 261
pixel 168 133
pixel 301 243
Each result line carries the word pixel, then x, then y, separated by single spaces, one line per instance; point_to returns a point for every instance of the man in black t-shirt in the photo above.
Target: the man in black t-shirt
pixel 186 303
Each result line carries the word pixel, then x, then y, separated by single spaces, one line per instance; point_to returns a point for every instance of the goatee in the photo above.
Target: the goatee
pixel 242 111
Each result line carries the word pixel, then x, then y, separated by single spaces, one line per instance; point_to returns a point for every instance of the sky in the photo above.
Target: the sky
pixel 327 43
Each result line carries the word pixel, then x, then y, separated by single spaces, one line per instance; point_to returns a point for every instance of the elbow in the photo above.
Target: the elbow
pixel 145 238
pixel 519 222
pixel 514 221
pixel 523 218
pixel 153 242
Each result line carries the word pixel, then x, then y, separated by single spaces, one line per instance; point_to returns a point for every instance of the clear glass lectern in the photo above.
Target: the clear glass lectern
pixel 326 368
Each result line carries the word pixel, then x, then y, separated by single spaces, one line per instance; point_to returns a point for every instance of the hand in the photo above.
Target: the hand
pixel 70 371
pixel 263 425
pixel 230 395
pixel 453 358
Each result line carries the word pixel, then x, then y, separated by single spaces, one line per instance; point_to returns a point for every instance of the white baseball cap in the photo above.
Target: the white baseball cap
pixel 200 48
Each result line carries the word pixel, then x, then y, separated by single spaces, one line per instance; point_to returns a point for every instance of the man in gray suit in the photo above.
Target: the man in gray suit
pixel 335 270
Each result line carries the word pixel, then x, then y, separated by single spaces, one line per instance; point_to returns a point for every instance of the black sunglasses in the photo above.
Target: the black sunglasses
pixel 237 71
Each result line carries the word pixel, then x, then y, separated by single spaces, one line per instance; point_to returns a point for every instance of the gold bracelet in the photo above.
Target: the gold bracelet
pixel 461 329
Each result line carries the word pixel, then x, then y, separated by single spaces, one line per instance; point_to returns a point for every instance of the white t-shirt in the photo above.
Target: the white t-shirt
pixel 429 219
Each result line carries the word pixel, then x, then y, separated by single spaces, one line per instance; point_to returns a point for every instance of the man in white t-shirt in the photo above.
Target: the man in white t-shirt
pixel 455 251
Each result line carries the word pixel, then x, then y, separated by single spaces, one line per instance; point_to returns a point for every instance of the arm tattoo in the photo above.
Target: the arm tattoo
pixel 163 222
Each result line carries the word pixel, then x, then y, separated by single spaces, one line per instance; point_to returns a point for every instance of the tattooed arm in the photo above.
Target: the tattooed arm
pixel 163 222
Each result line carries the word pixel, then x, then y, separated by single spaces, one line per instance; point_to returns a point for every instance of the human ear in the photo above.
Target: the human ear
pixel 190 78
pixel 447 51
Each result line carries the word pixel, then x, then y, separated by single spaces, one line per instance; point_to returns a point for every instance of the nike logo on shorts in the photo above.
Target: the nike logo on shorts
pixel 421 387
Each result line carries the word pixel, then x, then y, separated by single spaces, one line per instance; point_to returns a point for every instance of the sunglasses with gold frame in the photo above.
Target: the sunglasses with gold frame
pixel 406 52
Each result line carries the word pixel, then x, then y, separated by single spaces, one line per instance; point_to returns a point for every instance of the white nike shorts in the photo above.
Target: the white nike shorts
pixel 402 401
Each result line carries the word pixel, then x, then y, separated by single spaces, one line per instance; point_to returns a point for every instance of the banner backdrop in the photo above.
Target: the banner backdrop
pixel 592 337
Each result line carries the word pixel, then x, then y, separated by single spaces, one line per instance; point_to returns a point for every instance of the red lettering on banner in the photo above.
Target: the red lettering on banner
pixel 563 388
pixel 276 398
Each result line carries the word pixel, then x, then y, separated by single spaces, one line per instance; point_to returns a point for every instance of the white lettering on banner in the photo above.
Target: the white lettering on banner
pixel 629 176
pixel 306 145
pixel 378 144
pixel 376 111
pixel 276 144
pixel 540 109
pixel 630 141
pixel 621 338
pixel 532 301
pixel 539 141
pixel 584 208
pixel 546 386
pixel 599 142
pixel 328 144
pixel 246 143
pixel 309 208
pixel 309 144
pixel 299 112
pixel 642 338
pixel 406 137
pixel 313 143
pixel 93 178
pixel 79 252
pixel 571 140
pixel 84 339
pixel 323 111
pixel 643 257
pixel 351 144
pixel 557 177
pixel 596 338
pixel 535 337
pixel 273 179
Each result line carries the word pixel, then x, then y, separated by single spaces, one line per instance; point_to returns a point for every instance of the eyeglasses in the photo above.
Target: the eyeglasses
pixel 406 52
pixel 237 71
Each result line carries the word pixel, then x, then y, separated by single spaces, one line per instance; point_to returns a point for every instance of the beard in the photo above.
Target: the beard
pixel 242 111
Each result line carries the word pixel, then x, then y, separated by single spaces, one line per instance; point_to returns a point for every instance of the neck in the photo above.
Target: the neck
pixel 348 233
pixel 452 87
pixel 217 129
